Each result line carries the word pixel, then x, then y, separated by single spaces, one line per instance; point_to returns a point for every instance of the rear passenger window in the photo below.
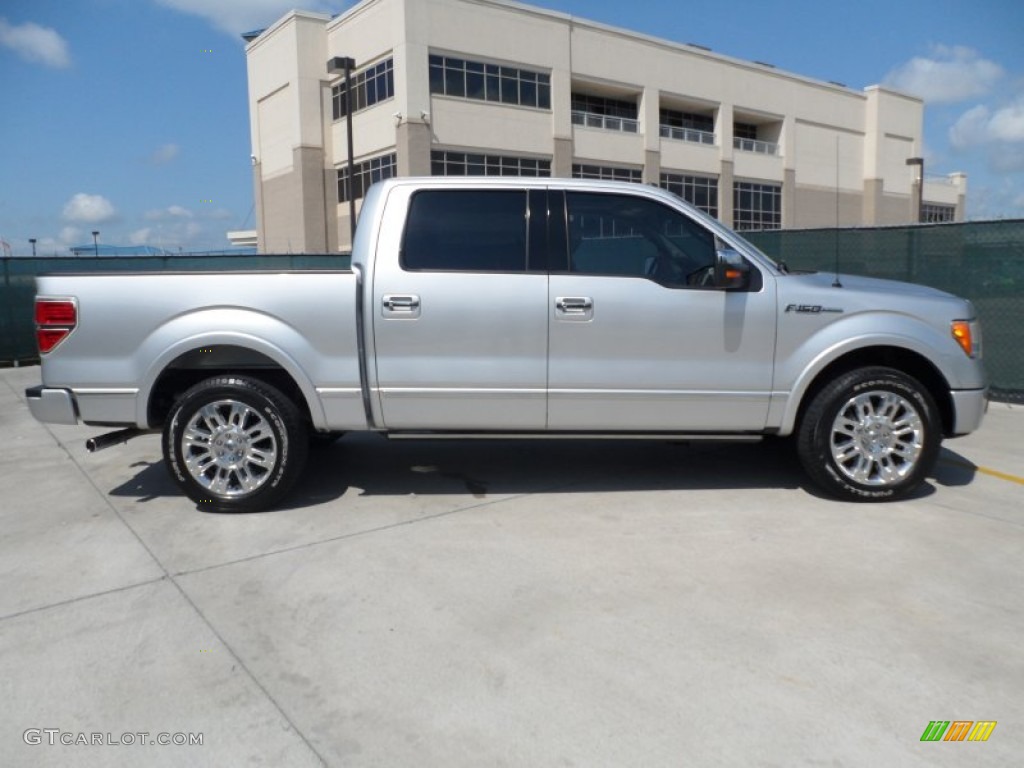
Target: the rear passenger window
pixel 466 231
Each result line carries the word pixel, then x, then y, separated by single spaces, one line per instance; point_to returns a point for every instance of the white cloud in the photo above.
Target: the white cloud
pixel 170 212
pixel 51 246
pixel 35 43
pixel 89 209
pixel 971 128
pixel 1007 124
pixel 982 125
pixel 164 154
pixel 173 228
pixel 238 16
pixel 70 235
pixel 951 74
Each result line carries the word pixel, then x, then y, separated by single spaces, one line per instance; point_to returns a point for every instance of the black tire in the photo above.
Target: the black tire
pixel 873 434
pixel 244 453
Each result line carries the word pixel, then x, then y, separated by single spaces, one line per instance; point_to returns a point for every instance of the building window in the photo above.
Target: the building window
pixel 745 131
pixel 443 163
pixel 756 206
pixel 607 114
pixel 367 173
pixel 934 213
pixel 699 191
pixel 606 173
pixel 369 87
pixel 489 82
pixel 745 139
pixel 687 126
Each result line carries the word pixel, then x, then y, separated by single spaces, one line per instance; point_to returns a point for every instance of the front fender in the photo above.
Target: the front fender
pixel 799 367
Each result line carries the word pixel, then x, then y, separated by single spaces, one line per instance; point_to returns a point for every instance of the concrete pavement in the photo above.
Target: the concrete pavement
pixel 506 604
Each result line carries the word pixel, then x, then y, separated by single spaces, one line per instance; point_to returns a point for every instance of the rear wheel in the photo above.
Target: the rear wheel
pixel 871 435
pixel 235 444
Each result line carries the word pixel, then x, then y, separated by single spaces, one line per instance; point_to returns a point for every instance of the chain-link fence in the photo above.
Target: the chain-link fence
pixel 981 261
pixel 17 292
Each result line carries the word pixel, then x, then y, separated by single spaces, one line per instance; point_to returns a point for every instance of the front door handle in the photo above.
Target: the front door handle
pixel 571 305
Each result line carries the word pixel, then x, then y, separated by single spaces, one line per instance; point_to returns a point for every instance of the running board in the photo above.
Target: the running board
pixel 688 437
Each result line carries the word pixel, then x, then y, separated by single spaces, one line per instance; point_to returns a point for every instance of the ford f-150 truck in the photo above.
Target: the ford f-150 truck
pixel 522 308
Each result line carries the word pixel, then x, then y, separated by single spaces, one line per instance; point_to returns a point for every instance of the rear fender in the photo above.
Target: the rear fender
pixel 248 329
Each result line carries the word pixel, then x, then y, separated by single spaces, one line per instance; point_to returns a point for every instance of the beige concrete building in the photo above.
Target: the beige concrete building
pixel 496 87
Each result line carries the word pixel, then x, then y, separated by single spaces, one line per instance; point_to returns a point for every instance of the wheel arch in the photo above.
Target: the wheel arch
pixel 195 360
pixel 905 360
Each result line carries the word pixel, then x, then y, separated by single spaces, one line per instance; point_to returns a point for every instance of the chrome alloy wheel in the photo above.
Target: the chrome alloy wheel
pixel 877 438
pixel 229 448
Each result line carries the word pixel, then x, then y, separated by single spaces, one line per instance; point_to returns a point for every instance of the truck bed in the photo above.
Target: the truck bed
pixel 131 326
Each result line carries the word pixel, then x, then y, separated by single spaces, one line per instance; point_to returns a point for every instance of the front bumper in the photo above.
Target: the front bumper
pixel 969 406
pixel 52 406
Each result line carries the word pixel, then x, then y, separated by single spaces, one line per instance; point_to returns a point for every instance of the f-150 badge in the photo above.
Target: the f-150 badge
pixel 813 309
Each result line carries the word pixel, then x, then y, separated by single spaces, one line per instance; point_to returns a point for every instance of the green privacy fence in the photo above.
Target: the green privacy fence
pixel 17 291
pixel 981 261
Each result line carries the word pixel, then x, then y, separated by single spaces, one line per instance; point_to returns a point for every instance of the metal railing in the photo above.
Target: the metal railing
pixel 687 134
pixel 758 147
pixel 605 122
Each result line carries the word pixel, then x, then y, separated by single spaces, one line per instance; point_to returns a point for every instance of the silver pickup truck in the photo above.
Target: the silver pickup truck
pixel 522 308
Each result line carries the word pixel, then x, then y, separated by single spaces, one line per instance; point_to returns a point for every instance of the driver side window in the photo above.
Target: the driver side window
pixel 624 235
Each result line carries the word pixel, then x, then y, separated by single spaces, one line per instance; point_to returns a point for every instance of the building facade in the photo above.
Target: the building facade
pixel 456 87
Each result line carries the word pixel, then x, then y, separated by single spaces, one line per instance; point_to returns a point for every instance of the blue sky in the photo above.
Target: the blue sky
pixel 130 116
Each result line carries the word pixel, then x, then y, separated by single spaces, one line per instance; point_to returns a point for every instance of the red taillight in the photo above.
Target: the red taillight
pixel 55 320
pixel 56 312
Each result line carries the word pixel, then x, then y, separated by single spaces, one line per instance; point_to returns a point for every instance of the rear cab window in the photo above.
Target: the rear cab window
pixel 465 230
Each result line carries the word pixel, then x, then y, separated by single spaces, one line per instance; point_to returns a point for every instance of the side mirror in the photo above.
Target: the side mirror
pixel 732 272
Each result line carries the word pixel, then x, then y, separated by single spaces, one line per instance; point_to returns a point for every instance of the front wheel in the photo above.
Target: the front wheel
pixel 873 434
pixel 235 444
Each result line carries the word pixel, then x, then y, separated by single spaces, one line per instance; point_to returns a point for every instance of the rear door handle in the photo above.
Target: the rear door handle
pixel 576 308
pixel 401 305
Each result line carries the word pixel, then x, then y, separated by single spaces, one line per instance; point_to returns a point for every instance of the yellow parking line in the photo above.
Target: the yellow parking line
pixel 985 471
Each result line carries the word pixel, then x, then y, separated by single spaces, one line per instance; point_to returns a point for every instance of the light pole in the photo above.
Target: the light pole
pixel 920 187
pixel 95 242
pixel 33 241
pixel 345 65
